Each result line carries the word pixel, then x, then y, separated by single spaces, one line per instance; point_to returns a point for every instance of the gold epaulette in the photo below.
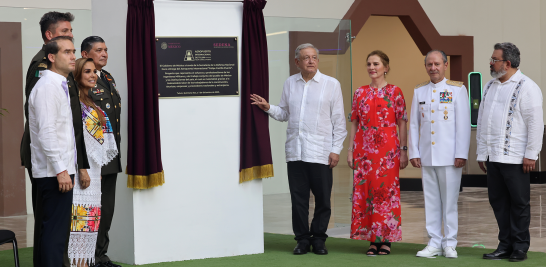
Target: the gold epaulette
pixel 454 83
pixel 421 84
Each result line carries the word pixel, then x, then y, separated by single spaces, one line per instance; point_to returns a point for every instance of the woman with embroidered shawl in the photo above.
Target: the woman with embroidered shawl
pixel 101 149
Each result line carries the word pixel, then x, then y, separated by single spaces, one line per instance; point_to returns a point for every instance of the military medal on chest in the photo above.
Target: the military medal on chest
pixel 446 97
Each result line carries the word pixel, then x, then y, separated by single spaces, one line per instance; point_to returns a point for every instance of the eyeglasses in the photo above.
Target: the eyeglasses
pixel 308 59
pixel 493 61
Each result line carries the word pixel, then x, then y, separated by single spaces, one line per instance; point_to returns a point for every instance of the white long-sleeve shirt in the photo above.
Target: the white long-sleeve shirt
pixel 315 115
pixel 51 129
pixel 510 121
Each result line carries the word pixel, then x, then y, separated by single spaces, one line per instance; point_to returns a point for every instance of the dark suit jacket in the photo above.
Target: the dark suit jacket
pixel 106 96
pixel 39 63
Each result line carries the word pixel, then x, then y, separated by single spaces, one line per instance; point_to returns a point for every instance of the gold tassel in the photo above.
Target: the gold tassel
pixel 145 181
pixel 256 172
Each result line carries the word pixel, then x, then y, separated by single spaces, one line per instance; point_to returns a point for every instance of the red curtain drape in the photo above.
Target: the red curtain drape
pixel 256 161
pixel 144 165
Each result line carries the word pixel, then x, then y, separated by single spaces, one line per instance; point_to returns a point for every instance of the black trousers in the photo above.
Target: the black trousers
pixel 302 178
pixel 108 202
pixel 509 195
pixel 53 210
pixel 37 219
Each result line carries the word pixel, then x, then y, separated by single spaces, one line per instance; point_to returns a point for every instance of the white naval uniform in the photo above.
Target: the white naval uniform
pixel 439 132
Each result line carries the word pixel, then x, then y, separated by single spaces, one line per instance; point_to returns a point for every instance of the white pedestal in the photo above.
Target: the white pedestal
pixel 201 211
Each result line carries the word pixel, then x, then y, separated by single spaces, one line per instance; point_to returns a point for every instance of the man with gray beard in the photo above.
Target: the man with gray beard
pixel 509 136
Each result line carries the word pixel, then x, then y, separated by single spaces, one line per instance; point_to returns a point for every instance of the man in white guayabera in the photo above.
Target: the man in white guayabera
pixel 509 135
pixel 53 150
pixel 312 104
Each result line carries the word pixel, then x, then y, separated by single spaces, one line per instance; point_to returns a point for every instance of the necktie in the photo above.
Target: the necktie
pixel 103 78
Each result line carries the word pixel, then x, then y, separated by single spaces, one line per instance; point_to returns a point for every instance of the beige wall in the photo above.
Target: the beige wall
pixel 492 21
pixel 489 21
pixel 307 8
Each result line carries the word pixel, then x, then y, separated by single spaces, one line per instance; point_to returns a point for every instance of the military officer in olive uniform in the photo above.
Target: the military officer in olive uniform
pixel 106 96
pixel 52 24
pixel 439 139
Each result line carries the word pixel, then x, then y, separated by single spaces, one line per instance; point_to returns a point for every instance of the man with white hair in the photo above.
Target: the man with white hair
pixel 439 139
pixel 509 138
pixel 312 104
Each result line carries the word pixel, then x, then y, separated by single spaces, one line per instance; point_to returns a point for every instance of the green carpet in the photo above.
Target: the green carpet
pixel 342 252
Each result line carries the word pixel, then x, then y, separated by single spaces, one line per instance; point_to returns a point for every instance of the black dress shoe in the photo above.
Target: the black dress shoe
pixel 301 248
pixel 110 264
pixel 498 254
pixel 319 248
pixel 518 255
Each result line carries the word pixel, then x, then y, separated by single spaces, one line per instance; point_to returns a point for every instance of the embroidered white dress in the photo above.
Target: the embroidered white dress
pixel 101 149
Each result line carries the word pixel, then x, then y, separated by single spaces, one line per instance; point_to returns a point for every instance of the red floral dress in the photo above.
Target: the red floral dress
pixel 376 185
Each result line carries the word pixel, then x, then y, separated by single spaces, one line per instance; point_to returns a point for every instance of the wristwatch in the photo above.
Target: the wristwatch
pixel 404 148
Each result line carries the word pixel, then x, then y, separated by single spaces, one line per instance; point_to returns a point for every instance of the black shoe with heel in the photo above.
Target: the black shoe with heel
pixel 382 250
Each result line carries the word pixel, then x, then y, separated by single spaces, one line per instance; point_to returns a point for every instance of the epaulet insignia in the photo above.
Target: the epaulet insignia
pixel 42 65
pixel 454 83
pixel 421 84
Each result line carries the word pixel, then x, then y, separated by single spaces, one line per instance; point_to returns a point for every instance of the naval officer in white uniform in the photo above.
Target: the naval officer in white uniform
pixel 439 139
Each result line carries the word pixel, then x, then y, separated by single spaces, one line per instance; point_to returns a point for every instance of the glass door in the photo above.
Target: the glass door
pixel 333 39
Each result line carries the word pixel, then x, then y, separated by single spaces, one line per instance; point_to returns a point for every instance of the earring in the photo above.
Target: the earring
pixel 385 73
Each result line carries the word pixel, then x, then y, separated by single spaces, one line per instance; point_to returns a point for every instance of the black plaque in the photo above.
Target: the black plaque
pixel 197 66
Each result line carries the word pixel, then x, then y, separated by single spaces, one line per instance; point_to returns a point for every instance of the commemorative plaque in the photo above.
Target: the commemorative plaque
pixel 197 66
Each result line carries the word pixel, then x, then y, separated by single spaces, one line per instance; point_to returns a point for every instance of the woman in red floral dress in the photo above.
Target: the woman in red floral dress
pixel 377 155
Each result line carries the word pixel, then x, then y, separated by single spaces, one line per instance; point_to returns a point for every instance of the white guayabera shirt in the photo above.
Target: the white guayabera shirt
pixel 315 115
pixel 51 129
pixel 510 121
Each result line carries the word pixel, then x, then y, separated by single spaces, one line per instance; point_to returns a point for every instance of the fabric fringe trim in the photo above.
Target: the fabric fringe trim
pixel 256 172
pixel 145 181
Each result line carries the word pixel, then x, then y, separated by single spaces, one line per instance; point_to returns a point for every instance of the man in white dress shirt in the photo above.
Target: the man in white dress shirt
pixel 312 104
pixel 439 140
pixel 53 150
pixel 509 136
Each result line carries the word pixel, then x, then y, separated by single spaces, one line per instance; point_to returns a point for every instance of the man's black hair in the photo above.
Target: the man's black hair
pixel 53 48
pixel 50 19
pixel 88 43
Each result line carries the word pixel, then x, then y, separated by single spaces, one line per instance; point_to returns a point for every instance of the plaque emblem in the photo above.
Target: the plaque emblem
pixel 189 56
pixel 163 45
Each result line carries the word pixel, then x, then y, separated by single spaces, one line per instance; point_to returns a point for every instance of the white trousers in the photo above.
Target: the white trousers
pixel 441 186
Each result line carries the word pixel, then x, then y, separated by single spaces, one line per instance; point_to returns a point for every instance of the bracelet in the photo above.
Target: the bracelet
pixel 351 149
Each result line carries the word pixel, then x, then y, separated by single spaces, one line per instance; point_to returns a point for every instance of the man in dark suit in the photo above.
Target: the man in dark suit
pixel 106 96
pixel 52 24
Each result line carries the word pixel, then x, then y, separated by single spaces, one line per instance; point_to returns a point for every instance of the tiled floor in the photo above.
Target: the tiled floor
pixel 477 224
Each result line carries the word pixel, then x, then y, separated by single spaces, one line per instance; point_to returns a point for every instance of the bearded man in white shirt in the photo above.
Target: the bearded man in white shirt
pixel 509 136
pixel 312 104
pixel 53 151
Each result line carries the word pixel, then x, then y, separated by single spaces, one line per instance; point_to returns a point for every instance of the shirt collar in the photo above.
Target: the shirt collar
pixel 316 78
pixel 441 83
pixel 55 76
